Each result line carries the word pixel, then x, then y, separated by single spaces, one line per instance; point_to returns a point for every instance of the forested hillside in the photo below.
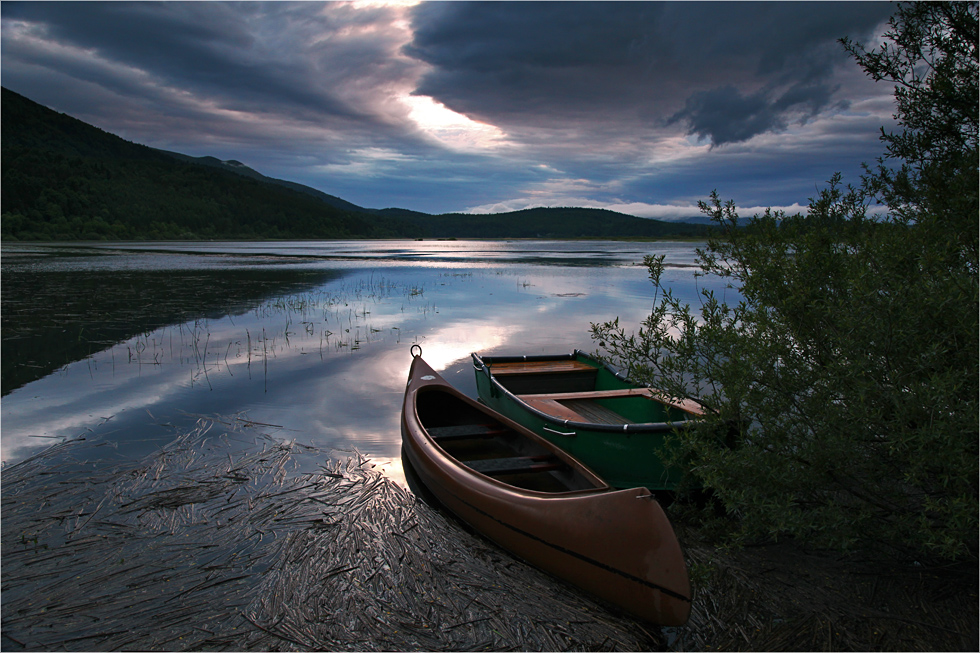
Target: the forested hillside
pixel 66 180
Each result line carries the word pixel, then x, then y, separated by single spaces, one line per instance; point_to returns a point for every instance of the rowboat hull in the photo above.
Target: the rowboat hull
pixel 615 544
pixel 617 428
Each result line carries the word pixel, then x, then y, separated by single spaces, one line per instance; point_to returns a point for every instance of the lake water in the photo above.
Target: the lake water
pixel 122 343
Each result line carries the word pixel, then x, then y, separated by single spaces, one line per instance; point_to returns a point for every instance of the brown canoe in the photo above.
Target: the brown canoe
pixel 536 501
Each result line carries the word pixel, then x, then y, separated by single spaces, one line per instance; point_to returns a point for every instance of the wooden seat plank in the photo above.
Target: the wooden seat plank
pixel 515 465
pixel 464 431
pixel 595 413
pixel 687 405
pixel 553 408
pixel 539 367
pixel 591 394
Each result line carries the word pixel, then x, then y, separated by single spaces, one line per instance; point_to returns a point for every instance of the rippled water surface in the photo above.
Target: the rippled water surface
pixel 120 342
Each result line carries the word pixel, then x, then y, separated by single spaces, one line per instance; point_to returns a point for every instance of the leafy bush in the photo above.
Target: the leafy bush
pixel 848 372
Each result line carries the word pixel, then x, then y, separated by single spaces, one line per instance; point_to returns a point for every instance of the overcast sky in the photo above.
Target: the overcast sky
pixel 643 108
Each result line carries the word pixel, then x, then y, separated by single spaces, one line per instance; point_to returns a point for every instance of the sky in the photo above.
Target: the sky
pixel 638 107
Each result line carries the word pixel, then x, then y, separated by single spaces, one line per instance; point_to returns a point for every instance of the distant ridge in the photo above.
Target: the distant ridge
pixel 240 168
pixel 64 179
pixel 552 223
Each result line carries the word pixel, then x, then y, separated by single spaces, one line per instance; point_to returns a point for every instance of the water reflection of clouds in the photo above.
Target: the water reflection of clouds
pixel 454 342
pixel 40 413
pixel 330 365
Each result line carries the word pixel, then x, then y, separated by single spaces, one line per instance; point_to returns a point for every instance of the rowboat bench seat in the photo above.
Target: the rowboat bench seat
pixel 557 401
pixel 515 465
pixel 540 367
pixel 581 406
pixel 592 394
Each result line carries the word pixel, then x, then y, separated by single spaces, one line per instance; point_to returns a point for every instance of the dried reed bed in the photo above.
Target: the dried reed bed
pixel 216 542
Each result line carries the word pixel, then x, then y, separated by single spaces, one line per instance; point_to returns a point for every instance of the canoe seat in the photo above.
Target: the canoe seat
pixel 464 431
pixel 516 465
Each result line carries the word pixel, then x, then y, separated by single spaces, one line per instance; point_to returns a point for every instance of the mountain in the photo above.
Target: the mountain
pixel 66 180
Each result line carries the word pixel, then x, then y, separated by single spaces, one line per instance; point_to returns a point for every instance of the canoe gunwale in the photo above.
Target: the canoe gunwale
pixel 644 427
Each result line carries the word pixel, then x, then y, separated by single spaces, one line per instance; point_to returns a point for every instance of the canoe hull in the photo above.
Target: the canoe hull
pixel 617 545
pixel 628 455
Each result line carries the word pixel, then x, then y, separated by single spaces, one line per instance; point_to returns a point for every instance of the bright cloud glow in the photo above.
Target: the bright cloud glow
pixel 368 4
pixel 454 130
pixel 455 343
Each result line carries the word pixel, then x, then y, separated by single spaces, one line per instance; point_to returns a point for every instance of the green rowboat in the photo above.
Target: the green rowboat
pixel 615 427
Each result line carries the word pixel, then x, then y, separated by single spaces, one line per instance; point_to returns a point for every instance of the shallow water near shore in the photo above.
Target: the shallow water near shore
pixel 109 342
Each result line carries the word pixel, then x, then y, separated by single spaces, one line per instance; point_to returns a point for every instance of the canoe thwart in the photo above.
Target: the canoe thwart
pixel 464 431
pixel 515 465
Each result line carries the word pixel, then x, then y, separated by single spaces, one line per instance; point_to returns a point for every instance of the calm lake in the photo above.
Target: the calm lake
pixel 121 343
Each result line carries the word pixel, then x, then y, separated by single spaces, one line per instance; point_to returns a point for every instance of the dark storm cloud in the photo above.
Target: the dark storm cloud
pixel 636 105
pixel 723 115
pixel 196 45
pixel 766 63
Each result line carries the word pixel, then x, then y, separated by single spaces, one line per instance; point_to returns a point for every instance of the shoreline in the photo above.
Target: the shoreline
pixel 216 542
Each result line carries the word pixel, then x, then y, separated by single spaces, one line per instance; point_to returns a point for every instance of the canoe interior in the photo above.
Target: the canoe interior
pixel 488 446
pixel 577 378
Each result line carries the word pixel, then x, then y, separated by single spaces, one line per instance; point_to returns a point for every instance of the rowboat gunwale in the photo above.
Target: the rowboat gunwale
pixel 532 523
pixel 542 392
pixel 643 427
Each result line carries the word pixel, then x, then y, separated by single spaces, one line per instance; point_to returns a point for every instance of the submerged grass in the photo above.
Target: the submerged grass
pixel 211 543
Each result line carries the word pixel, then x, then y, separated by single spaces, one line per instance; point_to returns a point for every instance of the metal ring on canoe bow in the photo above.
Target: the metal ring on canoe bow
pixel 412 351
